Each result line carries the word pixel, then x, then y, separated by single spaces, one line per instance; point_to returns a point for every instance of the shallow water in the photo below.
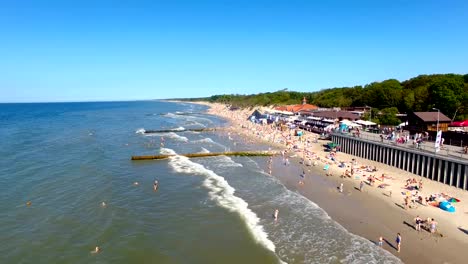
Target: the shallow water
pixel 66 158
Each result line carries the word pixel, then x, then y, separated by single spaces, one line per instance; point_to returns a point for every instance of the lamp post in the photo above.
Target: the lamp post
pixel 437 133
pixel 438 114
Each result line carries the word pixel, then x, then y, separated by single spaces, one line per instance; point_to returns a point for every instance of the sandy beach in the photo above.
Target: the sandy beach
pixel 376 210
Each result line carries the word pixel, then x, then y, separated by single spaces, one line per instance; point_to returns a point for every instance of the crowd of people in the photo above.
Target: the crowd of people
pixel 304 146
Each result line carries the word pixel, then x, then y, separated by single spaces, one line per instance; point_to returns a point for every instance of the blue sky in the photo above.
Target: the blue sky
pixel 129 50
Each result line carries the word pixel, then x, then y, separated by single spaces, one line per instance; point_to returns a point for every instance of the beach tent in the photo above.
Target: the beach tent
pixel 447 207
pixel 346 122
pixel 256 114
pixel 349 123
pixel 365 123
pixel 329 128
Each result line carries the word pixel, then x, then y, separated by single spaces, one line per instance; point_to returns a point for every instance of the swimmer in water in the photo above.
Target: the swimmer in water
pixel 276 214
pixel 28 203
pixel 135 183
pixel 155 185
pixel 96 250
pixel 103 204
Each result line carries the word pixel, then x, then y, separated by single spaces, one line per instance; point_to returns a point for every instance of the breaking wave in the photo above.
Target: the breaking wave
pixel 223 194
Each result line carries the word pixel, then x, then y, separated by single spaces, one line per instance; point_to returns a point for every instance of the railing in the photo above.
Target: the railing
pixel 425 146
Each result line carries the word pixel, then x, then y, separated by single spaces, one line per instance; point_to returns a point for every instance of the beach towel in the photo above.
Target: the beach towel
pixel 326 167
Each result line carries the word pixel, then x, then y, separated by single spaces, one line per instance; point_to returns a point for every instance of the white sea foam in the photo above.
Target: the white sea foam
pixel 205 140
pixel 189 118
pixel 176 137
pixel 204 150
pixel 172 115
pixel 170 135
pixel 225 161
pixel 195 123
pixel 319 239
pixel 179 129
pixel 208 141
pixel 140 131
pixel 223 194
pixel 167 151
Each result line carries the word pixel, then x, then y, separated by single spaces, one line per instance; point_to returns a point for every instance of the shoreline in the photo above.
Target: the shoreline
pixel 372 212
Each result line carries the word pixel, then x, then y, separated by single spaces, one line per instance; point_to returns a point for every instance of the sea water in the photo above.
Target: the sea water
pixel 68 158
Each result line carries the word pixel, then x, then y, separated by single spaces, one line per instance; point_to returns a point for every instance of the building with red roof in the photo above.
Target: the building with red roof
pixel 298 108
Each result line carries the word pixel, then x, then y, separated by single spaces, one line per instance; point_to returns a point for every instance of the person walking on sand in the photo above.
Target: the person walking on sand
pixel 433 225
pixel 341 187
pixel 418 222
pixel 361 186
pixel 275 215
pixel 398 242
pixel 380 241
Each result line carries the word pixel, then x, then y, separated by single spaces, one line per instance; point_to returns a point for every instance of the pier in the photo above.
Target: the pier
pixel 441 168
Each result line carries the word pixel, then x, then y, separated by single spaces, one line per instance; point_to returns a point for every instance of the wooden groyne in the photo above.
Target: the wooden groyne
pixel 180 130
pixel 211 154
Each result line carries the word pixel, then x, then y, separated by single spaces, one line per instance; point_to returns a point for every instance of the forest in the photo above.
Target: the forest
pixel 447 92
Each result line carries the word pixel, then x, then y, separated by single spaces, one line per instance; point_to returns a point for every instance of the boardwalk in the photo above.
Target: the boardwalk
pixel 426 146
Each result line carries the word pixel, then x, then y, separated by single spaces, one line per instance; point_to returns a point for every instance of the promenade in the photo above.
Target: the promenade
pixel 426 146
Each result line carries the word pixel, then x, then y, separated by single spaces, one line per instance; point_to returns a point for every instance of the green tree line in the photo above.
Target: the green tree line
pixel 447 92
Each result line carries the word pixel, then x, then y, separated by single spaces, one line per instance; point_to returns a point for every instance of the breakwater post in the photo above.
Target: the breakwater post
pixel 440 168
pixel 180 130
pixel 210 154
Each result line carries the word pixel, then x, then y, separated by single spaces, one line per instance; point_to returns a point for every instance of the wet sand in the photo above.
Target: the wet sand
pixel 372 212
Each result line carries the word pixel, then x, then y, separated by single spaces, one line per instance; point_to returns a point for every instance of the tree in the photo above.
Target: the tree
pixel 447 93
pixel 408 100
pixel 388 116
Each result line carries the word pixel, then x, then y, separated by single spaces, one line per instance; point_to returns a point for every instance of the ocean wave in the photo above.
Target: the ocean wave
pixel 140 131
pixel 208 141
pixel 176 137
pixel 170 135
pixel 223 194
pixel 172 115
pixel 205 140
pixel 194 123
pixel 323 239
pixel 225 161
pixel 167 151
pixel 204 150
pixel 188 117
